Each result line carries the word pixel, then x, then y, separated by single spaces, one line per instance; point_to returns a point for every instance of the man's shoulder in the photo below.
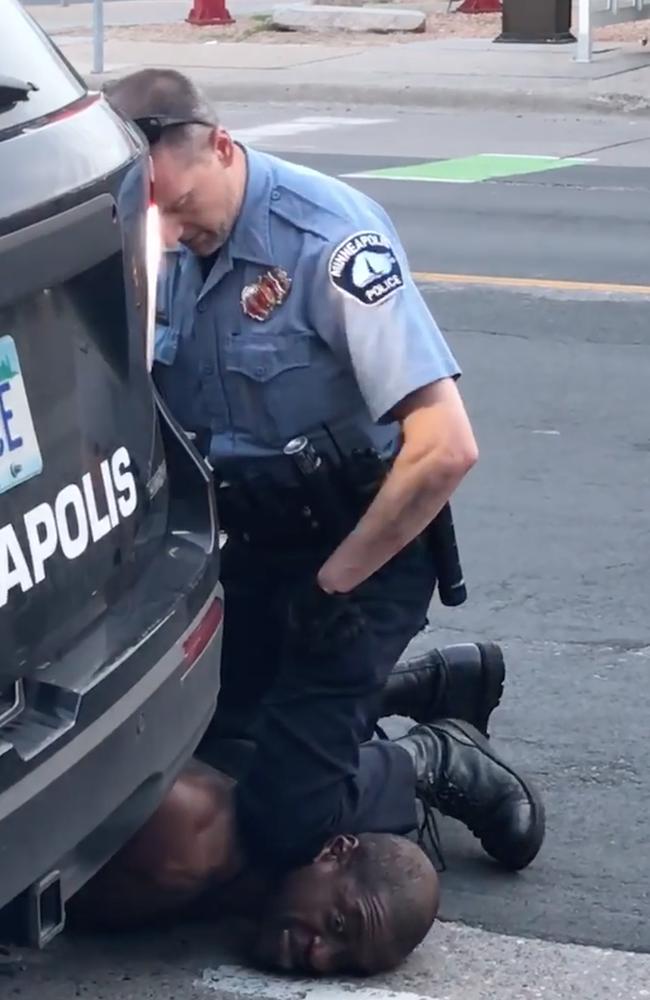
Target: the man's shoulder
pixel 321 206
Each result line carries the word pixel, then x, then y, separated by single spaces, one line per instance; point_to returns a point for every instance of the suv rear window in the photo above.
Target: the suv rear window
pixel 27 57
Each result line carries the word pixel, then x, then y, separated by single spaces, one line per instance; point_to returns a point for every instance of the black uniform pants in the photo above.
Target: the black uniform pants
pixel 310 777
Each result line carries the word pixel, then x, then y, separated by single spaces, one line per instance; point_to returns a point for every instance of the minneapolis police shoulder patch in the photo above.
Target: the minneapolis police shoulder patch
pixel 365 267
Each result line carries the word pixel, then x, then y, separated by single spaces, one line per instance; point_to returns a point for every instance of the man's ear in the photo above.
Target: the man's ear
pixel 223 145
pixel 339 849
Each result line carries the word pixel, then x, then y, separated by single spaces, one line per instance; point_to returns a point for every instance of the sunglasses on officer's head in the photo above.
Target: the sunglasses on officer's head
pixel 153 126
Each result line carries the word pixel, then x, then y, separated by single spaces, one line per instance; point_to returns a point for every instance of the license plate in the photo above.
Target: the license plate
pixel 20 455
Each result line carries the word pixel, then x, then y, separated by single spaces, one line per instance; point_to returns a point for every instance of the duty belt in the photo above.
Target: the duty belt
pixel 269 515
pixel 324 505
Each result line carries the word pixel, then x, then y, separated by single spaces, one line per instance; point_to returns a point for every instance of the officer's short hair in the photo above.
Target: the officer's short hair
pixel 163 94
pixel 399 870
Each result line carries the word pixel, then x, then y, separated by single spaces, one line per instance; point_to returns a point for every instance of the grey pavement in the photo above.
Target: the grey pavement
pixel 431 73
pixel 521 226
pixel 456 963
pixel 554 535
pixel 553 523
pixel 392 135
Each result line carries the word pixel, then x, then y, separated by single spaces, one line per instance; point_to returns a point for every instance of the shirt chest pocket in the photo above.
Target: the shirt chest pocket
pixel 166 343
pixel 268 383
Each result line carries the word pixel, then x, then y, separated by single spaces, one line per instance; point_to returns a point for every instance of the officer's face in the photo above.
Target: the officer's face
pixel 198 191
pixel 320 922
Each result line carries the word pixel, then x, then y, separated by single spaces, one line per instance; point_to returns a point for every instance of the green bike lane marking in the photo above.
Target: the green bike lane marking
pixel 472 169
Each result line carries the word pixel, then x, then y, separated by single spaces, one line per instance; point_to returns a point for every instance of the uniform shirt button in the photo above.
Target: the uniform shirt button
pixel 260 370
pixel 208 369
pixel 275 195
pixel 201 306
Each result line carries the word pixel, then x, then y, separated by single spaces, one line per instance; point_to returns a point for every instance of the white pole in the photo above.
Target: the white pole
pixel 98 36
pixel 584 31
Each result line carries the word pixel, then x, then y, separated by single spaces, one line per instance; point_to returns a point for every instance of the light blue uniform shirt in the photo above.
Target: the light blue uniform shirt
pixel 349 341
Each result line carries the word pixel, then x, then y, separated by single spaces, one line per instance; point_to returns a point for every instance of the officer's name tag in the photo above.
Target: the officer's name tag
pixel 365 267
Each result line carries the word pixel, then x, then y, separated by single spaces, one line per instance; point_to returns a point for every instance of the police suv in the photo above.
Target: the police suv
pixel 110 600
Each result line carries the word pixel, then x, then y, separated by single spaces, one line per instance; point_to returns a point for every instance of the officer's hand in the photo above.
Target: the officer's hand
pixel 320 622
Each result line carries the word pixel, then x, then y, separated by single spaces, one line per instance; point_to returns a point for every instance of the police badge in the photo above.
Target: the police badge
pixel 270 290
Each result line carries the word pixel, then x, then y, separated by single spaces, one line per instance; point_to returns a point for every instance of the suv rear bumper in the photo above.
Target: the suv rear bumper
pixel 69 815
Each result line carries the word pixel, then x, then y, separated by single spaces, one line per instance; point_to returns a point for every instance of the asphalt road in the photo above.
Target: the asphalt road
pixel 586 223
pixel 553 523
pixel 554 531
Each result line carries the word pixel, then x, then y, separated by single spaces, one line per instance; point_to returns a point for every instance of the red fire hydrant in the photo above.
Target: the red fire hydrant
pixel 206 12
pixel 480 7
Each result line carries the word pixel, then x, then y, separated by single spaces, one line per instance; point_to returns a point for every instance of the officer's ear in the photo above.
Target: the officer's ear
pixel 223 146
pixel 340 849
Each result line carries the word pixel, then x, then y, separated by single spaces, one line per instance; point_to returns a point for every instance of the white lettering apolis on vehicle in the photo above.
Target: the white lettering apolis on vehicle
pixel 70 524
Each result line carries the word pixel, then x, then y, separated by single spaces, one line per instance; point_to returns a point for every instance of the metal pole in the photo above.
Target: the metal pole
pixel 98 36
pixel 584 32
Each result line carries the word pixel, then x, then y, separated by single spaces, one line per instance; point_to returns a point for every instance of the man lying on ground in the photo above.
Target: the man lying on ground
pixel 361 906
pixel 326 898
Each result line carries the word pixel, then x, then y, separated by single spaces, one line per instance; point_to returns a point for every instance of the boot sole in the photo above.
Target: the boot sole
pixel 493 673
pixel 538 823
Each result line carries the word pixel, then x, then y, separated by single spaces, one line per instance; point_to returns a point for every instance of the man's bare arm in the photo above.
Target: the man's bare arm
pixel 186 847
pixel 438 450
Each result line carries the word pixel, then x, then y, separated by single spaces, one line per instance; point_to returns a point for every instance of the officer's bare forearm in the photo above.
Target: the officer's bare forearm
pixel 438 450
pixel 408 501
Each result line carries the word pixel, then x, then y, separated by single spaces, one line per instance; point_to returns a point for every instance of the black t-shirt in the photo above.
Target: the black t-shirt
pixel 207 263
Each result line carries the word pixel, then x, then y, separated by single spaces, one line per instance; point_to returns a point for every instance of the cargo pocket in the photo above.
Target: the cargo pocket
pixel 267 383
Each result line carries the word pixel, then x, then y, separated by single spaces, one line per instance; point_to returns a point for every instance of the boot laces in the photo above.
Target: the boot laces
pixel 450 800
pixel 429 839
pixel 428 834
pixel 454 801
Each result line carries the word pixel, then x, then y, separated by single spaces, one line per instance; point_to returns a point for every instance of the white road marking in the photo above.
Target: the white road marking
pixel 374 176
pixel 539 156
pixel 257 134
pixel 244 983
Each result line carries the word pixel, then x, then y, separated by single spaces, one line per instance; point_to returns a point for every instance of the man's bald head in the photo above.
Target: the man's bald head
pixel 400 871
pixel 362 906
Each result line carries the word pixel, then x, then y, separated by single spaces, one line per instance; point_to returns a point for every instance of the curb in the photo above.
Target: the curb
pixel 425 98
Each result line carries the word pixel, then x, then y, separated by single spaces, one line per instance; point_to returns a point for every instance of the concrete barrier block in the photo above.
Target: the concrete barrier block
pixel 319 17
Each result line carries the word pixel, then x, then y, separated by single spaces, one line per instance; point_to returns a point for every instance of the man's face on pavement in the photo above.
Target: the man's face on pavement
pixel 319 921
pixel 195 188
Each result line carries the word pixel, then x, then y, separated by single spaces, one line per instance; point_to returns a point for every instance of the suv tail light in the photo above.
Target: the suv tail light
pixel 153 251
pixel 198 639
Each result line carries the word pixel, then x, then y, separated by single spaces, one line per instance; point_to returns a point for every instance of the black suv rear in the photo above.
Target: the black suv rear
pixel 110 601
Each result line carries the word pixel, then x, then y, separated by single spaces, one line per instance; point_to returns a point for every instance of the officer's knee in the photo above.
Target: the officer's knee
pixel 283 836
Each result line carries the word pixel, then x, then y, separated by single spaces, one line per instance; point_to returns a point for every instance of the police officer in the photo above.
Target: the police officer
pixel 287 308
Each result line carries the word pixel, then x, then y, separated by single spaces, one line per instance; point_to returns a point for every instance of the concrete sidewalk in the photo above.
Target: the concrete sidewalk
pixel 429 73
pixel 196 963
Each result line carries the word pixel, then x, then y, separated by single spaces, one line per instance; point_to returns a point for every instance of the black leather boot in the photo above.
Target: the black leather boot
pixel 459 774
pixel 464 681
